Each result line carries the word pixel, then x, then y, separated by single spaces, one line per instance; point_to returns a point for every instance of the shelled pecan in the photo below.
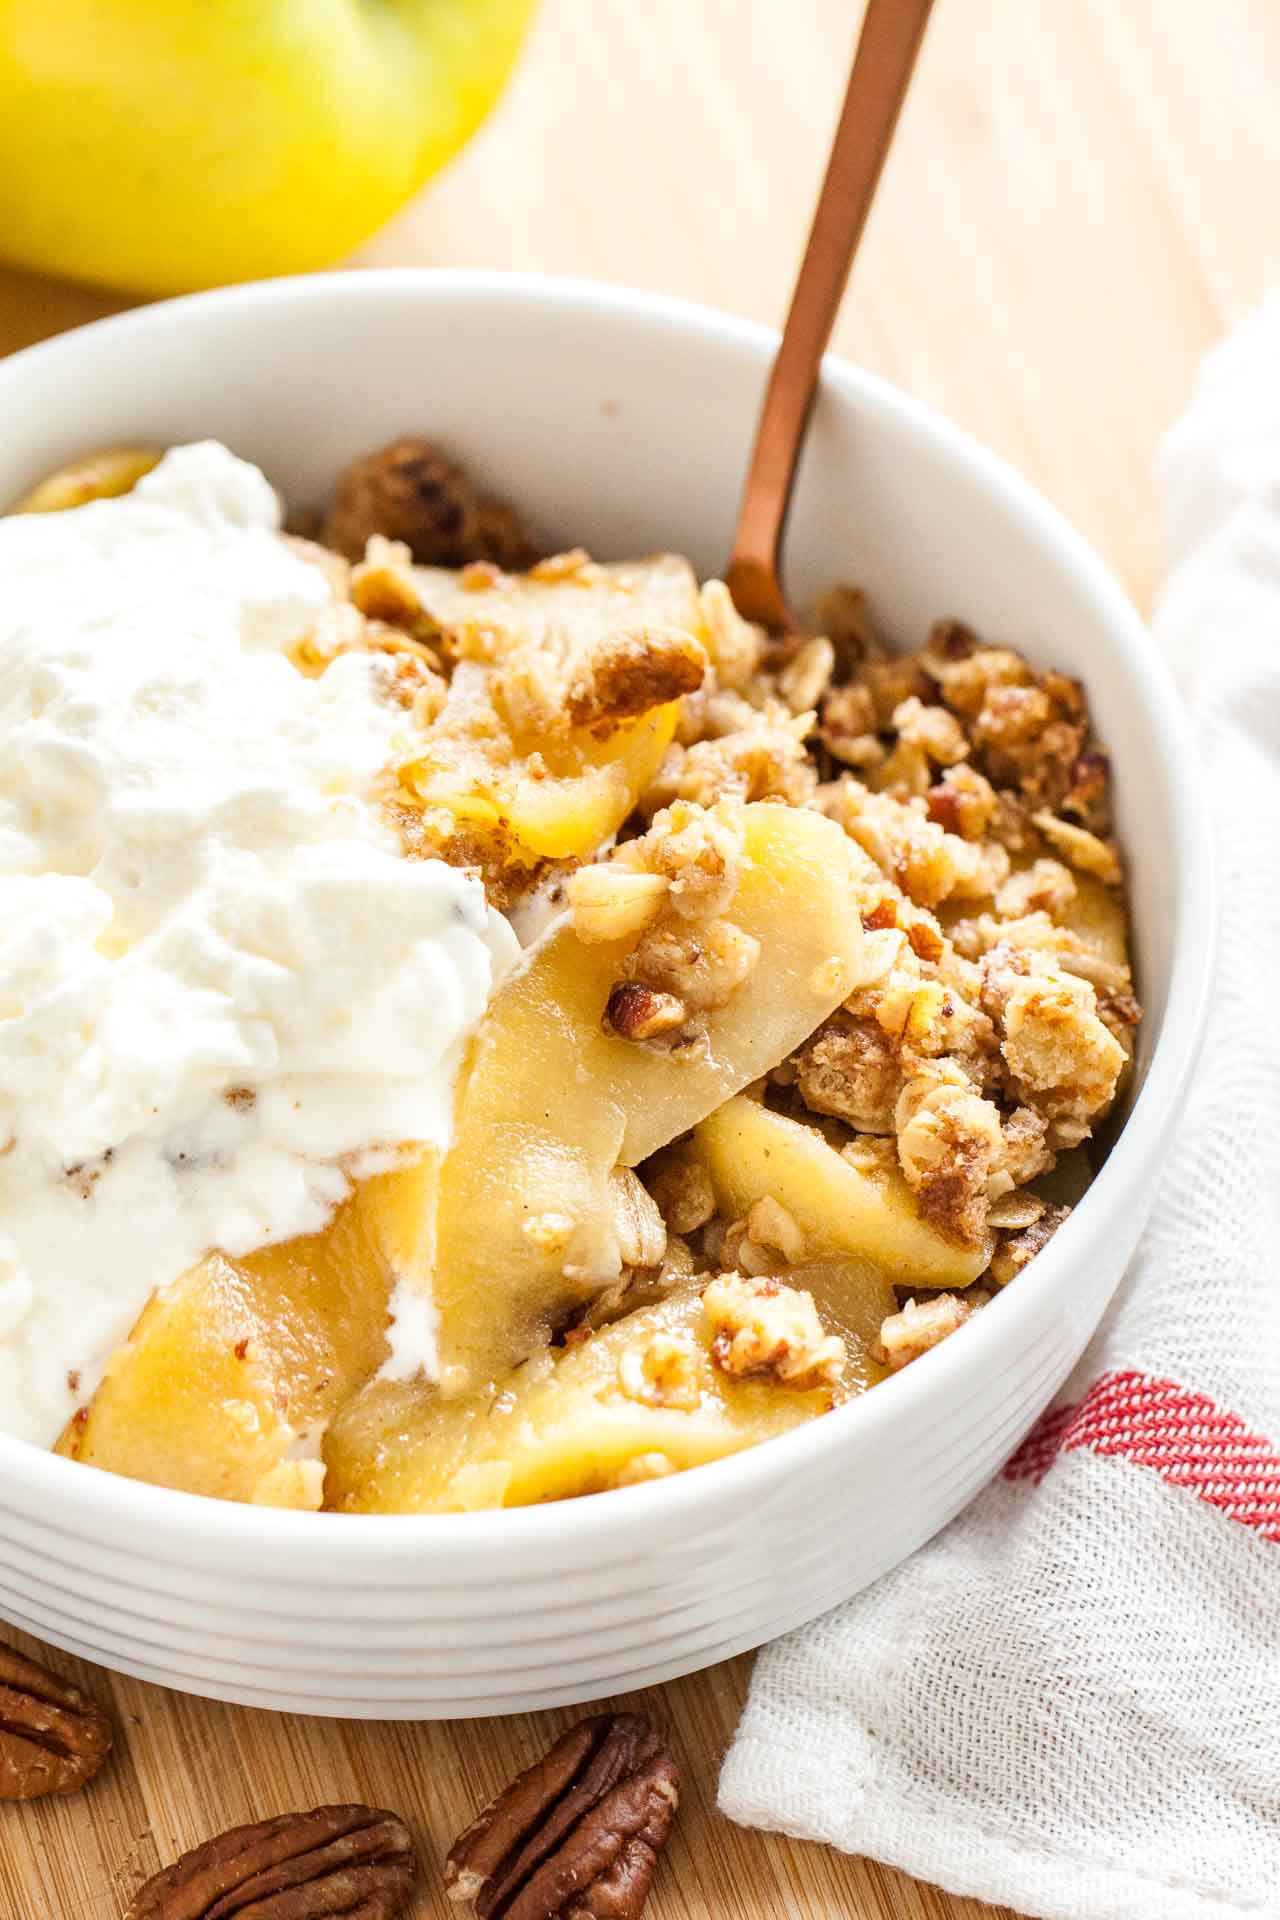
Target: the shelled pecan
pixel 354 1862
pixel 52 1738
pixel 577 1835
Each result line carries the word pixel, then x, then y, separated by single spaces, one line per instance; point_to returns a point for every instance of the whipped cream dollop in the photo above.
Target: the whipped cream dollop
pixel 221 982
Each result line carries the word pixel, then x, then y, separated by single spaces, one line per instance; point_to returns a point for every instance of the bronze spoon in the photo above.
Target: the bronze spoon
pixel 890 39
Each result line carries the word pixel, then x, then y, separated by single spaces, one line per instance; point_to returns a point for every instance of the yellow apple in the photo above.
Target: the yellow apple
pixel 163 145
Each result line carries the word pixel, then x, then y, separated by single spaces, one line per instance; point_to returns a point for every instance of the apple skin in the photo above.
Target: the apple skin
pixel 164 145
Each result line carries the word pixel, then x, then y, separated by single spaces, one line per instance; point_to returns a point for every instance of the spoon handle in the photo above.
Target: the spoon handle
pixel 891 34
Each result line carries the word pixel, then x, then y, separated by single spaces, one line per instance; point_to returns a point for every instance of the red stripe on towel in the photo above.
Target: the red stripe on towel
pixel 1181 1435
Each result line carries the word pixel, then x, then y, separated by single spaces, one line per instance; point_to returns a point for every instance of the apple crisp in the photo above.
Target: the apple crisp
pixel 825 992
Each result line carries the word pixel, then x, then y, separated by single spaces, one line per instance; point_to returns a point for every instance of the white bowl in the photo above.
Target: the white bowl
pixel 622 423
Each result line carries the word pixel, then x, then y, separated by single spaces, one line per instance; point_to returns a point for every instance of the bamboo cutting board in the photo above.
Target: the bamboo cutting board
pixel 1082 196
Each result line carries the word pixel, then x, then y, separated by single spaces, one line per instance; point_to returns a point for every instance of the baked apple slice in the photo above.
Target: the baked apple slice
pixel 636 1400
pixel 231 1373
pixel 868 1213
pixel 552 1102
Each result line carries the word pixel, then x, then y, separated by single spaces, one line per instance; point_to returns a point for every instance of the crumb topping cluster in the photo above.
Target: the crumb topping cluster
pixel 991 1027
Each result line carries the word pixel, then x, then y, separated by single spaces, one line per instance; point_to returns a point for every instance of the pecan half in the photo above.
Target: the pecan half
pixel 52 1738
pixel 577 1835
pixel 357 1862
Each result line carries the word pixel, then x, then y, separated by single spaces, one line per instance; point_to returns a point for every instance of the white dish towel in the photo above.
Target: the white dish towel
pixel 1069 1701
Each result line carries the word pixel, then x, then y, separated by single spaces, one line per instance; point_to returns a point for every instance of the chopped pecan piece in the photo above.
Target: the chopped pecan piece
pixel 577 1835
pixel 353 1862
pixel 52 1739
pixel 638 1013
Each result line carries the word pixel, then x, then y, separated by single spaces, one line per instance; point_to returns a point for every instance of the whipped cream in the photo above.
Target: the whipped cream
pixel 221 983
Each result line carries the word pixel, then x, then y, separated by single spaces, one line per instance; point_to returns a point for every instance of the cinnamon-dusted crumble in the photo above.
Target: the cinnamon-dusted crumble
pixel 760 1326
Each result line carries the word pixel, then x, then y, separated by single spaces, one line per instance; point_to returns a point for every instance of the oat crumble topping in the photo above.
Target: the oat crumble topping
pixel 760 1326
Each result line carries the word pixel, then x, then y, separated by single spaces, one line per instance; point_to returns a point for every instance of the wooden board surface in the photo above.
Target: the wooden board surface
pixel 1083 195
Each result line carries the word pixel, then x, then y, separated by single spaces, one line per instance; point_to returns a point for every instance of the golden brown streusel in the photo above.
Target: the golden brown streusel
pixel 760 1326
pixel 630 673
pixel 736 645
pixel 637 1222
pixel 1061 1057
pixel 852 1069
pixel 762 759
pixel 698 851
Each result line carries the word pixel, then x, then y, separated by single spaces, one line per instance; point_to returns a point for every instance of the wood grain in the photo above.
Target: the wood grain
pixel 1082 196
